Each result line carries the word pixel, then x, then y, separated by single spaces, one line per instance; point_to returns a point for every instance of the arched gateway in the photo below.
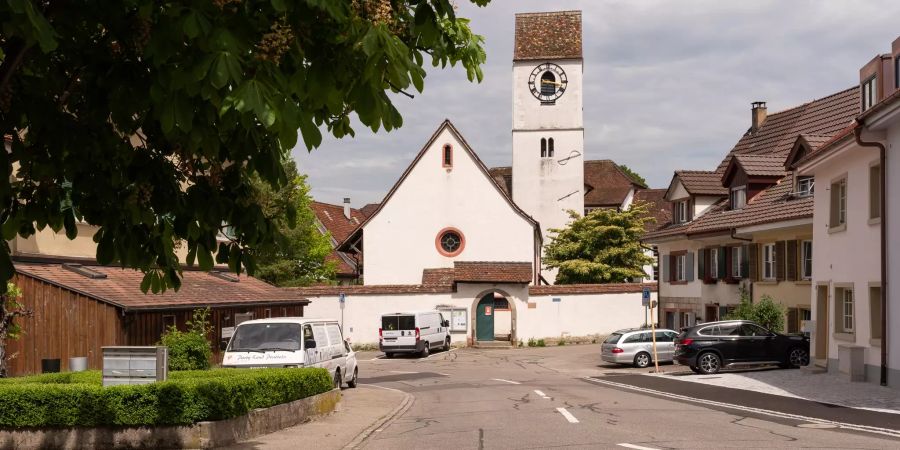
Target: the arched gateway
pixel 495 317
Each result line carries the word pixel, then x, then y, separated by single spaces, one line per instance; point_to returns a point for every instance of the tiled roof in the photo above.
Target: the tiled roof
pixel 548 35
pixel 701 182
pixel 368 209
pixel 776 136
pixel 659 208
pixel 332 217
pixel 437 277
pixel 343 268
pixel 613 288
pixel 606 184
pixel 121 287
pixel 761 165
pixel 502 176
pixel 816 140
pixel 492 272
pixel 359 289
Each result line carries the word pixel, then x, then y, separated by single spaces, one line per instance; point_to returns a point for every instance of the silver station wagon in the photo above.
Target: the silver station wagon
pixel 635 346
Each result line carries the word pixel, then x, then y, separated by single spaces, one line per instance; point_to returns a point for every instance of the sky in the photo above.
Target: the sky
pixel 668 84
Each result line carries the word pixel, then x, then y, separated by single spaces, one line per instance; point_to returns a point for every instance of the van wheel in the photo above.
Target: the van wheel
pixel 447 343
pixel 337 379
pixel 352 383
pixel 388 355
pixel 642 360
pixel 425 351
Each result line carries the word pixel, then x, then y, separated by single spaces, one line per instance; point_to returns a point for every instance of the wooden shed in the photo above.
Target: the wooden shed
pixel 79 307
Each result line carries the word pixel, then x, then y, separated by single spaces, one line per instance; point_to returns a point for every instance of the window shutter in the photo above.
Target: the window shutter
pixel 729 254
pixel 792 262
pixel 779 260
pixel 689 267
pixel 722 263
pixel 664 260
pixel 751 262
pixel 690 209
pixel 834 213
pixel 701 264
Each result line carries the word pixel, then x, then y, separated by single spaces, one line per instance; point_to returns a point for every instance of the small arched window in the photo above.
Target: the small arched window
pixel 548 83
pixel 447 160
pixel 550 148
pixel 543 147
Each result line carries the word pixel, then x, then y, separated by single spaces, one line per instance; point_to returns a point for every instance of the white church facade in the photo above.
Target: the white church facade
pixel 454 235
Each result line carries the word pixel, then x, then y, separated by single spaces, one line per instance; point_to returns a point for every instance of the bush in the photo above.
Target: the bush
pixel 189 350
pixel 766 312
pixel 532 342
pixel 561 342
pixel 541 343
pixel 78 399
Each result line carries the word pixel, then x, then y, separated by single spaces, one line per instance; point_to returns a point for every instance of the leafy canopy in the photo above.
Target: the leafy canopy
pixel 634 175
pixel 601 247
pixel 297 257
pixel 149 119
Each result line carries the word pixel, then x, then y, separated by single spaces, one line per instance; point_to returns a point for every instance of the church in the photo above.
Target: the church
pixel 472 236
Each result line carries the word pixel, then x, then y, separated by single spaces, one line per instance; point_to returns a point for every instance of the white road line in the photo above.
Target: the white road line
pixel 401 371
pixel 543 395
pixel 567 415
pixel 377 357
pixel 638 447
pixel 765 412
pixel 506 381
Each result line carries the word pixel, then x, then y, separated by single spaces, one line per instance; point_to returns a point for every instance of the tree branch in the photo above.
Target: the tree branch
pixel 400 90
pixel 16 51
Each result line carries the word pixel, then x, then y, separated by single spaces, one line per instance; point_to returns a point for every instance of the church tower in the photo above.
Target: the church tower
pixel 548 125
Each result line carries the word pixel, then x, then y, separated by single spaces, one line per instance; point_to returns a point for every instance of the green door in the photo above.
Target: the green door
pixel 484 321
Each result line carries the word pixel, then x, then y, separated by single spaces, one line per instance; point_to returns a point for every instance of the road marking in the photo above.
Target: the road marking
pixel 543 395
pixel 638 447
pixel 441 353
pixel 506 381
pixel 377 357
pixel 401 371
pixel 765 412
pixel 567 415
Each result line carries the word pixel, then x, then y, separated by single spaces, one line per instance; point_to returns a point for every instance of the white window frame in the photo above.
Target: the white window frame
pixel 806 186
pixel 736 256
pixel 769 262
pixel 680 268
pixel 738 197
pixel 714 263
pixel 869 92
pixel 847 321
pixel 681 211
pixel 806 259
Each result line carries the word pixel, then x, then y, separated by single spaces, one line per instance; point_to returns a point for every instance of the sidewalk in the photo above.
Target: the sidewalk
pixel 803 384
pixel 361 412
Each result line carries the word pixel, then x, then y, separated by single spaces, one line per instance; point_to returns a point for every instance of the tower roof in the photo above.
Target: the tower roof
pixel 548 35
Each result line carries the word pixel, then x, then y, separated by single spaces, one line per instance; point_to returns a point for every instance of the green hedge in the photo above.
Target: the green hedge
pixel 78 399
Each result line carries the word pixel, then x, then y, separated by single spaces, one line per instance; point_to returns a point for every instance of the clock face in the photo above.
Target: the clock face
pixel 547 82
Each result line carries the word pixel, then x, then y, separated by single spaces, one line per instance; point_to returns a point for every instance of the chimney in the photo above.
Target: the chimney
pixel 758 115
pixel 347 207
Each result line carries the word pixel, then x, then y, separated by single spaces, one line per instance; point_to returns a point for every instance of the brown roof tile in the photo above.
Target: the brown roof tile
pixel 613 288
pixel 774 204
pixel 121 287
pixel 437 277
pixel 503 177
pixel 332 218
pixel 606 184
pixel 369 209
pixel 659 208
pixel 548 35
pixel 492 272
pixel 360 289
pixel 701 182
pixel 761 165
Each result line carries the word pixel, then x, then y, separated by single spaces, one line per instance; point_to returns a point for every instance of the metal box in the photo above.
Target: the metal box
pixel 134 365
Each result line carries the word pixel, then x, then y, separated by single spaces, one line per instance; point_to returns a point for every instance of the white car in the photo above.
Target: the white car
pixel 413 332
pixel 351 367
pixel 289 342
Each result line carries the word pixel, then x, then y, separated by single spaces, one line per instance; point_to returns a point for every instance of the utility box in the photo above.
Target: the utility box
pixel 134 365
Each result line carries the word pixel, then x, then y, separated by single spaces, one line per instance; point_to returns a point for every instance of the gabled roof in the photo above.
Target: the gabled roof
pixel 368 209
pixel 333 220
pixel 700 182
pixel 121 287
pixel 804 145
pixel 503 177
pixel 659 208
pixel 548 35
pixel 754 166
pixel 606 184
pixel 445 125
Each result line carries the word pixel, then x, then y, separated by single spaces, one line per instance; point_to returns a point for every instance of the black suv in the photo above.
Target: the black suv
pixel 709 347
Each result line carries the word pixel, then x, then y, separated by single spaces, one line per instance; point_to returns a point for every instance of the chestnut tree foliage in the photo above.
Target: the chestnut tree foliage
pixel 602 247
pixel 149 119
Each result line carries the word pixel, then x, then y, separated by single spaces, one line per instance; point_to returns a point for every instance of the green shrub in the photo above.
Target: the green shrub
pixel 189 350
pixel 766 312
pixel 561 342
pixel 541 343
pixel 78 399
pixel 532 342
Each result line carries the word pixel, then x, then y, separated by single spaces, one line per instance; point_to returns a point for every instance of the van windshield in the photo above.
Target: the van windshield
pixel 391 323
pixel 259 337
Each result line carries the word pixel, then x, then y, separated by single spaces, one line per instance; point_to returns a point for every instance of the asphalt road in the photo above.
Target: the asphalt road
pixel 566 398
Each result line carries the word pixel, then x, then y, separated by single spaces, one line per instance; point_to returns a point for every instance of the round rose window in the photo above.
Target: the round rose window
pixel 450 242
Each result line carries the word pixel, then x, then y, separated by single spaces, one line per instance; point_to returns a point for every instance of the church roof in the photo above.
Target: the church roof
pixel 548 35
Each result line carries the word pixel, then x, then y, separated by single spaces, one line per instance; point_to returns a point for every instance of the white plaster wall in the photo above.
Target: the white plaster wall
pixel 530 114
pixel 691 289
pixel 892 197
pixel 581 315
pixel 850 256
pixel 678 192
pixel 400 240
pixel 702 203
pixel 629 199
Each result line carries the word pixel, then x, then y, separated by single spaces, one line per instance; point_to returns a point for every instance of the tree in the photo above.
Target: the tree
pixel 602 247
pixel 634 175
pixel 297 257
pixel 10 310
pixel 766 312
pixel 149 119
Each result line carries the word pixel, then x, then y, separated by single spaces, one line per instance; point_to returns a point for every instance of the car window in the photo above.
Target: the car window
pixel 672 335
pixel 637 337
pixel 709 331
pixel 347 347
pixel 613 338
pixel 663 336
pixel 334 334
pixel 749 329
pixel 321 335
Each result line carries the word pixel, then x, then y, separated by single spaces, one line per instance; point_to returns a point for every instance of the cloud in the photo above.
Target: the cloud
pixel 668 84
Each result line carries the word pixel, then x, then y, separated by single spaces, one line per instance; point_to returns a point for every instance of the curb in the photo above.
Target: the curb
pixel 384 421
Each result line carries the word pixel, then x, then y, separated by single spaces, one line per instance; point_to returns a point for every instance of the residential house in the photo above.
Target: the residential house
pixel 338 221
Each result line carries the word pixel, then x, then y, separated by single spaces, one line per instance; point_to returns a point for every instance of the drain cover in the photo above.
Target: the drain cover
pixel 817 425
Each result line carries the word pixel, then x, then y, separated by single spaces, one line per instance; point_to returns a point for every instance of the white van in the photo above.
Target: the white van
pixel 413 332
pixel 290 342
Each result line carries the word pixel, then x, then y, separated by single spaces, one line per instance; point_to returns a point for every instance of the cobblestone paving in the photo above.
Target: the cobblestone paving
pixel 818 387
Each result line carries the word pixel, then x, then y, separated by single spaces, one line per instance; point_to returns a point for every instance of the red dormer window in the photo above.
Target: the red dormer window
pixel 447 156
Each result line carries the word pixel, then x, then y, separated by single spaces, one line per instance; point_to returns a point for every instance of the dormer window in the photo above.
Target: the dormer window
pixel 869 93
pixel 447 159
pixel 738 197
pixel 683 211
pixel 805 186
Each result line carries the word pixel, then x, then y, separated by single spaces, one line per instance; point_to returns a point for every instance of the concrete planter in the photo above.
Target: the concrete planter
pixel 200 435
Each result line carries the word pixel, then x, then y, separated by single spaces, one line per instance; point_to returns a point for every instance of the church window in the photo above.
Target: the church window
pixel 447 156
pixel 550 147
pixel 548 84
pixel 450 242
pixel 543 147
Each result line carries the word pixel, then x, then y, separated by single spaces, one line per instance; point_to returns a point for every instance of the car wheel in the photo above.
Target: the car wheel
pixel 798 357
pixel 642 360
pixel 709 363
pixel 337 379
pixel 447 343
pixel 695 369
pixel 388 355
pixel 425 351
pixel 352 383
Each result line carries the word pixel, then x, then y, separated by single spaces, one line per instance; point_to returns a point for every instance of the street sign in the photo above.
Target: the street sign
pixel 342 297
pixel 645 297
pixel 556 299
